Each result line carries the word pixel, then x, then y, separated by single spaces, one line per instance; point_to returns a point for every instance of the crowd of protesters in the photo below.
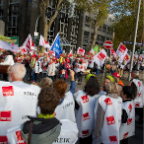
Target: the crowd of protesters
pixel 49 114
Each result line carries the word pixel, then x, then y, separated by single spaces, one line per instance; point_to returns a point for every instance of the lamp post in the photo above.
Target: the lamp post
pixel 134 41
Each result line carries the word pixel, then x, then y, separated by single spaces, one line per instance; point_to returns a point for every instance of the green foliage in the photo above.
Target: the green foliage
pixel 125 19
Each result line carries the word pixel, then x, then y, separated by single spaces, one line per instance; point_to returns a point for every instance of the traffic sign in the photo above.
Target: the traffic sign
pixel 108 44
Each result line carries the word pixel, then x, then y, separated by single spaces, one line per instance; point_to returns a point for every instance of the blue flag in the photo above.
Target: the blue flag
pixel 56 46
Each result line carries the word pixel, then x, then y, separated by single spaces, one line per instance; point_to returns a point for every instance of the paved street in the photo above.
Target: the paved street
pixel 138 138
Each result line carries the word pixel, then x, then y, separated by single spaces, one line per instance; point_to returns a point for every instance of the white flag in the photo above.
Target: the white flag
pixel 43 42
pixel 23 50
pixel 122 50
pixel 81 51
pixel 29 43
pixel 99 59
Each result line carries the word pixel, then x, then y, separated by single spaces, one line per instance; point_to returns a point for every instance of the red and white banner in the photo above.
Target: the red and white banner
pixel 29 43
pixel 43 42
pixel 81 51
pixel 99 59
pixel 112 52
pixel 122 50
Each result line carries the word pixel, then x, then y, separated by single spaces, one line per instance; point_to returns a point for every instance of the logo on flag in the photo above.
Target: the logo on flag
pixel 8 91
pixel 113 138
pixel 5 116
pixel 125 135
pixel 110 120
pixel 85 99
pixel 56 46
pixel 112 52
pixel 122 48
pixel 86 116
pixel 101 56
pixel 19 138
pixel 81 51
pixel 126 58
pixel 85 133
pixel 108 101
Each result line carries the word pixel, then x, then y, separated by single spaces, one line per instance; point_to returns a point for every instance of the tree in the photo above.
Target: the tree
pixel 98 11
pixel 43 7
pixel 125 19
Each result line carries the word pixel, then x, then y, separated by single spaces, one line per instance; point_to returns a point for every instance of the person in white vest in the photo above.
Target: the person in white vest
pixel 17 99
pixel 51 70
pixel 45 128
pixel 127 128
pixel 65 110
pixel 138 88
pixel 108 116
pixel 85 105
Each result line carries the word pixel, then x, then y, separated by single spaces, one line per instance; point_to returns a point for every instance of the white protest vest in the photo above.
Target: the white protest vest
pixel 85 114
pixel 112 119
pixel 15 103
pixel 66 109
pixel 38 67
pixel 91 63
pixel 140 94
pixel 128 129
pixel 76 67
pixel 68 134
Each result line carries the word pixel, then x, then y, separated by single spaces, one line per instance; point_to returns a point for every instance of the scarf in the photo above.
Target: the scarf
pixel 46 116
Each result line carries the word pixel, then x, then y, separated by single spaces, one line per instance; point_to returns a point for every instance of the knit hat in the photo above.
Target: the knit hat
pixel 110 78
pixel 88 77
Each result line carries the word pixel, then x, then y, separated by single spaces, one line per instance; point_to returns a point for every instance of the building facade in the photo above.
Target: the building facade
pixel 20 17
pixel 104 32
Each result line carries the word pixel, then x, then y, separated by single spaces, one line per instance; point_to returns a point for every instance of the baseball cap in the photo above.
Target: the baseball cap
pixel 116 74
pixel 88 77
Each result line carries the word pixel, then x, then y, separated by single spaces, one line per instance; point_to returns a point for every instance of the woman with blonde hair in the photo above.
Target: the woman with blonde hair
pixel 108 116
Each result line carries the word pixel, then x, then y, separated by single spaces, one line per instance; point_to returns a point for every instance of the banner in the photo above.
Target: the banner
pixel 10 40
pixel 99 59
pixel 7 46
pixel 56 46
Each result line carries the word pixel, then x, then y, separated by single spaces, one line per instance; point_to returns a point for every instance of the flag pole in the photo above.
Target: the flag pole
pixel 134 41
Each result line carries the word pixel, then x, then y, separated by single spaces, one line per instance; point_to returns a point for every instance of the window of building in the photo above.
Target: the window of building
pixel 14 1
pixel 87 20
pixel 1 14
pixel 1 2
pixel 102 38
pixel 104 28
pixel 86 37
pixel 100 28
